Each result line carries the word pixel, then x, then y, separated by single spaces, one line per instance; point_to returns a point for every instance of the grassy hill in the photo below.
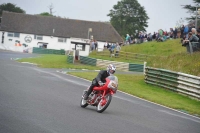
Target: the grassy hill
pixel 168 55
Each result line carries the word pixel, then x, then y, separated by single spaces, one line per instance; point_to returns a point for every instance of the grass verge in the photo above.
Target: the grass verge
pixel 176 58
pixel 56 61
pixel 135 85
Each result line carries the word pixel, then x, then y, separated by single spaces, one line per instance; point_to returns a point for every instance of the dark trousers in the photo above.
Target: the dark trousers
pixel 94 83
pixel 90 89
pixel 116 53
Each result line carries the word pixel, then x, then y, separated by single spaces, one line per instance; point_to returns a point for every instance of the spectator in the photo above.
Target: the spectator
pixel 194 32
pixel 160 32
pixel 149 37
pixel 127 38
pixel 191 38
pixel 186 31
pixel 111 49
pixel 93 46
pixel 154 36
pixel 131 39
pixel 198 34
pixel 141 36
pixel 96 44
pixel 118 48
pixel 171 33
pixel 182 31
pixel 190 28
pixel 175 32
pixel 108 46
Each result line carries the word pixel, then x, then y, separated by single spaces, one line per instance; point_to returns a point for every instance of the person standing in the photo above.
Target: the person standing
pixel 175 33
pixel 118 48
pixel 127 38
pixel 96 45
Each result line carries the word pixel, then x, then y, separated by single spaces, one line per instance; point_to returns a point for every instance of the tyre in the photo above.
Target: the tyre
pixel 83 103
pixel 100 107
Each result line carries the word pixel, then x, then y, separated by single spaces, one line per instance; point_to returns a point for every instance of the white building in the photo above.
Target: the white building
pixel 21 31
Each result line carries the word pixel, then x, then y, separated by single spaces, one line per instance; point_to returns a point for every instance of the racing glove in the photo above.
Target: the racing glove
pixel 100 83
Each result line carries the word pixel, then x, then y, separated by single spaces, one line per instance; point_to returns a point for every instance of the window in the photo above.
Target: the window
pixel 80 47
pixel 13 34
pixel 37 37
pixel 62 39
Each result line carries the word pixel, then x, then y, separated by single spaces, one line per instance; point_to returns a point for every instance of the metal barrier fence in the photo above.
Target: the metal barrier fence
pixel 193 47
pixel 176 81
pixel 48 51
pixel 136 67
pixel 120 65
pixel 70 59
pixel 124 66
pixel 88 61
pixel 125 55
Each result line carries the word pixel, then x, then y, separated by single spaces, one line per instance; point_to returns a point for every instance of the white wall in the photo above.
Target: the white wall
pixel 87 47
pixel 101 45
pixel 9 43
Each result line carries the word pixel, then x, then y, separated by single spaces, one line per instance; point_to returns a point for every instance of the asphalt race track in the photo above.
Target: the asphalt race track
pixel 38 100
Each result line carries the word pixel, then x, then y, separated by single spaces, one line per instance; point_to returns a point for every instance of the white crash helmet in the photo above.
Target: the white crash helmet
pixel 111 69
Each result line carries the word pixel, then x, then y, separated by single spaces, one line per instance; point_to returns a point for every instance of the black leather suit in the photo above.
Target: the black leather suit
pixel 103 74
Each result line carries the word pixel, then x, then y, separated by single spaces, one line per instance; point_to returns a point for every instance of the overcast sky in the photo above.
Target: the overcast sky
pixel 163 14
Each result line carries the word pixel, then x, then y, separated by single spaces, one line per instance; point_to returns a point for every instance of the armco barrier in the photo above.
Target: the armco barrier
pixel 176 81
pixel 48 51
pixel 104 63
pixel 88 61
pixel 136 67
pixel 70 59
pixel 120 65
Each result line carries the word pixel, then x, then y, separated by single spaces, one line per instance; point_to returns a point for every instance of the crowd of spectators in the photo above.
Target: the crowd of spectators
pixel 187 33
pixel 114 48
pixel 160 35
pixel 192 37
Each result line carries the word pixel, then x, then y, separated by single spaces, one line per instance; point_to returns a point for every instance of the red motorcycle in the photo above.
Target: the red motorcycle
pixel 101 96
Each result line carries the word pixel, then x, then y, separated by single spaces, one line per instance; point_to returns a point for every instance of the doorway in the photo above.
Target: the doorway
pixel 42 44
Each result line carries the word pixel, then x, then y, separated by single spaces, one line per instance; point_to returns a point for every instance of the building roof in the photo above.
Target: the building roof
pixel 44 25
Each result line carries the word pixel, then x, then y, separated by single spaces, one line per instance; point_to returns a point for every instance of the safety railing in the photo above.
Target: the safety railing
pixel 125 55
pixel 119 65
pixel 70 59
pixel 48 51
pixel 182 83
pixel 88 61
pixel 124 66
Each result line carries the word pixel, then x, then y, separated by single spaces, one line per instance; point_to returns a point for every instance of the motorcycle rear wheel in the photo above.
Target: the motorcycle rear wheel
pixel 101 108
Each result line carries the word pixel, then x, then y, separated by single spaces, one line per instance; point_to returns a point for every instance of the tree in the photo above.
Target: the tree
pixel 11 8
pixel 192 9
pixel 45 14
pixel 128 16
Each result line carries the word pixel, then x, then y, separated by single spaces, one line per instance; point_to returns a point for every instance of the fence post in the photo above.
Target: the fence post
pixel 145 63
pixel 190 47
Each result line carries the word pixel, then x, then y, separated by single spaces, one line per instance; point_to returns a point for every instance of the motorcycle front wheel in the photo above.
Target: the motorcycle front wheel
pixel 83 103
pixel 104 103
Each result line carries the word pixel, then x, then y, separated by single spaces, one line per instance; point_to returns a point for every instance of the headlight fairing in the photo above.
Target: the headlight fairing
pixel 113 85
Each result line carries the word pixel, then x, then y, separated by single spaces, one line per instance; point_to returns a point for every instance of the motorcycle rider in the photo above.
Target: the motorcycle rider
pixel 100 79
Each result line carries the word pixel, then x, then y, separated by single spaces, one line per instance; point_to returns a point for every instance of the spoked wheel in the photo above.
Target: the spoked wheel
pixel 83 102
pixel 104 103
